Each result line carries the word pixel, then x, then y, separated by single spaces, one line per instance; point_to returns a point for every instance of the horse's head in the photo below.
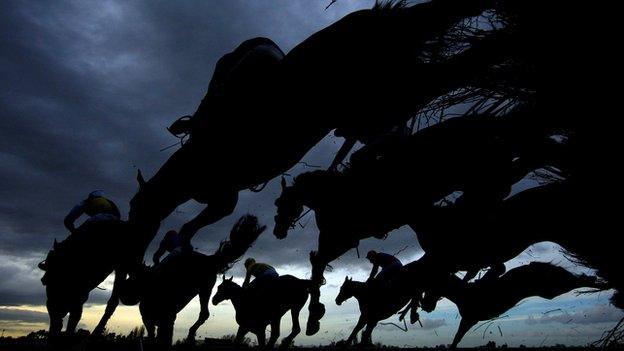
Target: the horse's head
pixel 347 291
pixel 226 290
pixel 150 205
pixel 289 208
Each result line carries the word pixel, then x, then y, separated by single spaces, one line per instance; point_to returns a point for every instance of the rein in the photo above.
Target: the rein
pixel 293 225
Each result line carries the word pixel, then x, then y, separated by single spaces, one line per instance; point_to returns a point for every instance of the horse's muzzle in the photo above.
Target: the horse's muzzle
pixel 280 231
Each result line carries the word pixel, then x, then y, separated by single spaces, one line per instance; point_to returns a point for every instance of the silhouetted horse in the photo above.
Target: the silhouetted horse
pixel 264 110
pixel 487 299
pixel 78 264
pixel 377 302
pixel 263 305
pixel 481 156
pixel 164 290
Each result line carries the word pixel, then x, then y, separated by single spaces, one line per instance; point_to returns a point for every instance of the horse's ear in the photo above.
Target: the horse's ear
pixel 350 279
pixel 140 179
pixel 231 277
pixel 346 278
pixel 283 183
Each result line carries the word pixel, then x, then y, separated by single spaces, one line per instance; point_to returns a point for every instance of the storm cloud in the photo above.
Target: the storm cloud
pixel 86 93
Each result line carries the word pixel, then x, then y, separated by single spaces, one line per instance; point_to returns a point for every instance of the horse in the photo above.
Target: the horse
pixel 240 139
pixel 164 290
pixel 482 156
pixel 259 306
pixel 376 303
pixel 77 265
pixel 486 299
pixel 250 129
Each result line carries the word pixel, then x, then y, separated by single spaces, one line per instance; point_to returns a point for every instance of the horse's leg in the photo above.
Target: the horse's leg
pixel 240 334
pixel 74 317
pixel 165 332
pixel 330 247
pixel 150 327
pixel 316 308
pixel 275 332
pixel 204 313
pixel 360 324
pixel 112 303
pixel 218 208
pixel 296 328
pixel 261 336
pixel 464 326
pixel 56 321
pixel 368 332
pixel 413 308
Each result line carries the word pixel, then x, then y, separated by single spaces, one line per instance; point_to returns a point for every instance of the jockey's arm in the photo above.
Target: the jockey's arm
pixel 374 272
pixel 247 279
pixel 73 215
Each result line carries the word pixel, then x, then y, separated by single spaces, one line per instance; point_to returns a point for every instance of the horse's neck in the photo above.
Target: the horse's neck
pixel 453 289
pixel 237 298
pixel 311 196
pixel 360 291
pixel 314 191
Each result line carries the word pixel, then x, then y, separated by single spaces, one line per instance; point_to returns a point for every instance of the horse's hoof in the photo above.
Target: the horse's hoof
pixel 313 327
pixel 286 343
pixel 317 311
pixel 342 343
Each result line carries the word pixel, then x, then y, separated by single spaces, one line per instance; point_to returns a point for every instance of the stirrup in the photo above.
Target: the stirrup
pixel 181 126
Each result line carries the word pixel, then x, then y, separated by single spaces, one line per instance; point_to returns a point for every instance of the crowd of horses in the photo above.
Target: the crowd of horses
pixel 372 77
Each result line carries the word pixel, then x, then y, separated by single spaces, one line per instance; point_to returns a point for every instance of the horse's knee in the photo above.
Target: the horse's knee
pixel 203 316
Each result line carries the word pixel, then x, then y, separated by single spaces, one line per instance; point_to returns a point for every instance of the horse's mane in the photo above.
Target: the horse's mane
pixel 389 5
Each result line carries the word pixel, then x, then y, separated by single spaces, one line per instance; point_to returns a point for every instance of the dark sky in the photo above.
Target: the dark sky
pixel 87 90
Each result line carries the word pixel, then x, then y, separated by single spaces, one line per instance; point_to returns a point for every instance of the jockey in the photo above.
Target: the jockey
pixel 96 206
pixel 389 264
pixel 262 272
pixel 169 243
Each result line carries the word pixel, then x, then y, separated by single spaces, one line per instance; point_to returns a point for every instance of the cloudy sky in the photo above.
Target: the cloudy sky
pixel 87 90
